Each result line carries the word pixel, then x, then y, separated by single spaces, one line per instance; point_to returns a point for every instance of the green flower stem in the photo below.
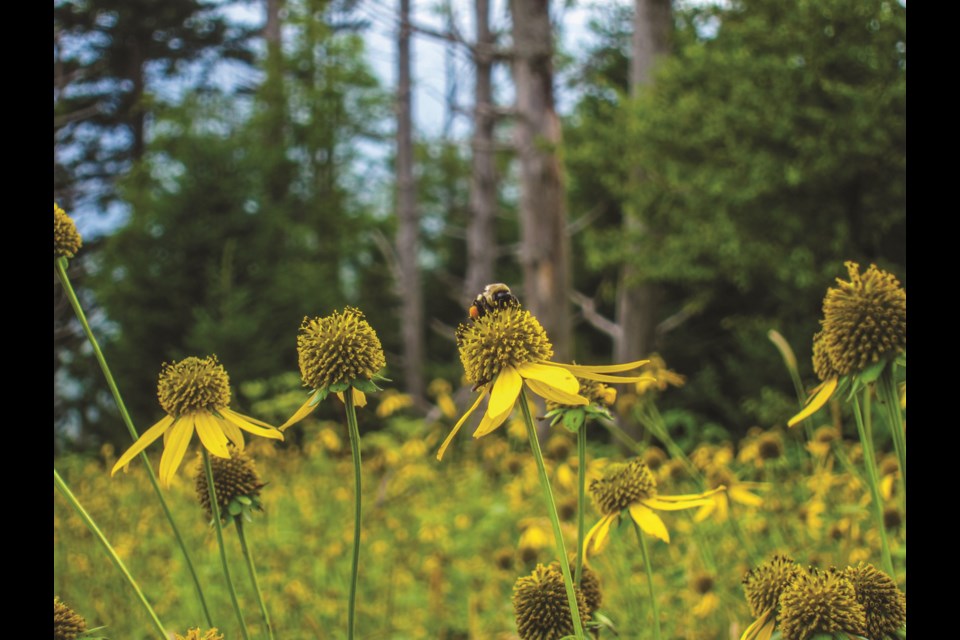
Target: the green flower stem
pixel 874 484
pixel 622 436
pixel 653 591
pixel 252 570
pixel 554 519
pixel 355 566
pixel 215 507
pixel 654 422
pixel 888 393
pixel 60 266
pixel 581 496
pixel 117 562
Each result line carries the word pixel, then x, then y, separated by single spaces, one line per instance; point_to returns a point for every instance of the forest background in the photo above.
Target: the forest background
pixel 709 169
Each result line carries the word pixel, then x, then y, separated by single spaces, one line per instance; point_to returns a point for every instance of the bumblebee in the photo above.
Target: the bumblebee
pixel 494 296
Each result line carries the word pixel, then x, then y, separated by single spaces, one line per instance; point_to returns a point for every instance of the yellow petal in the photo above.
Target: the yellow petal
pixel 359 398
pixel 488 423
pixel 305 409
pixel 246 423
pixel 556 395
pixel 704 512
pixel 819 398
pixel 580 369
pixel 688 497
pixel 211 435
pixel 456 427
pixel 596 538
pixel 761 629
pixel 649 521
pixel 506 389
pixel 176 447
pixel 557 377
pixel 143 442
pixel 233 433
pixel 670 505
pixel 741 495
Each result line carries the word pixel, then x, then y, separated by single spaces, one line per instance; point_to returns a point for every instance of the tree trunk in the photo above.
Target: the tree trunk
pixel 638 301
pixel 408 224
pixel 544 252
pixel 481 230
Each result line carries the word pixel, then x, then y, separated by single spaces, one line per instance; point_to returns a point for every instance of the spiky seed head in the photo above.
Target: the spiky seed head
pixel 589 583
pixel 196 634
pixel 509 336
pixel 864 320
pixel 67 623
pixel 338 348
pixel 763 584
pixel 66 238
pixel 233 477
pixel 622 485
pixel 822 364
pixel 541 606
pixel 820 602
pixel 193 384
pixel 884 604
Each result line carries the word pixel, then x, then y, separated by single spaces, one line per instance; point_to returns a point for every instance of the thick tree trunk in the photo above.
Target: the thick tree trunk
pixel 481 230
pixel 638 301
pixel 544 250
pixel 408 224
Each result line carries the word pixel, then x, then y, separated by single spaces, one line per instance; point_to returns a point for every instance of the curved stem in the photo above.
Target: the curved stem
pixel 355 565
pixel 252 570
pixel 554 519
pixel 102 539
pixel 60 266
pixel 874 484
pixel 653 591
pixel 581 496
pixel 888 392
pixel 215 508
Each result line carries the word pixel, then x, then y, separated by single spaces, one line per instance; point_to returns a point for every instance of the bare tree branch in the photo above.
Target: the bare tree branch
pixel 589 310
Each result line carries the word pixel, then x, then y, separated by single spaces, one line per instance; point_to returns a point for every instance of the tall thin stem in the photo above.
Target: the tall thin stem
pixel 554 519
pixel 581 496
pixel 60 266
pixel 888 393
pixel 102 539
pixel 653 591
pixel 873 482
pixel 355 565
pixel 215 508
pixel 252 570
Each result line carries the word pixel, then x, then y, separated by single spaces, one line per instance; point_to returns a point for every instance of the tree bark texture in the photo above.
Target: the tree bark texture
pixel 481 229
pixel 408 223
pixel 544 245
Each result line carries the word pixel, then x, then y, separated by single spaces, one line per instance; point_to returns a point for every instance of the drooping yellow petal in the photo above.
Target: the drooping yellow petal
pixel 456 427
pixel 246 423
pixel 670 505
pixel 581 369
pixel 305 409
pixel 176 447
pixel 143 442
pixel 488 423
pixel 819 398
pixel 596 538
pixel 705 511
pixel 233 433
pixel 544 390
pixel 555 376
pixel 688 497
pixel 211 435
pixel 741 495
pixel 762 627
pixel 506 390
pixel 649 521
pixel 359 397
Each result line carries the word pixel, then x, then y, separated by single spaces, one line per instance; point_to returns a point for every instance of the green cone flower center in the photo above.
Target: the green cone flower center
pixel 506 337
pixel 66 238
pixel 864 321
pixel 820 602
pixel 623 485
pixel 193 384
pixel 338 348
pixel 763 585
pixel 541 606
pixel 884 604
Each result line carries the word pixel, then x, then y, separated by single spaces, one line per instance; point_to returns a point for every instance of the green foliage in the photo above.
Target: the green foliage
pixel 769 149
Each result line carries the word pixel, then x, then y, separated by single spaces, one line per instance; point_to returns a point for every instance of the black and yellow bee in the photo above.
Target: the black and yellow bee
pixel 494 296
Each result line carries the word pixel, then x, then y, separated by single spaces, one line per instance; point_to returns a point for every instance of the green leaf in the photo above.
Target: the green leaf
pixel 339 387
pixel 367 386
pixel 235 508
pixel 871 373
pixel 244 500
pixel 573 420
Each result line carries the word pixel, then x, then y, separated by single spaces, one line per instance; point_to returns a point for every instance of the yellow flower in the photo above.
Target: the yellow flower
pixel 66 238
pixel 631 487
pixel 507 349
pixel 763 587
pixel 195 394
pixel 736 491
pixel 864 323
pixel 336 353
